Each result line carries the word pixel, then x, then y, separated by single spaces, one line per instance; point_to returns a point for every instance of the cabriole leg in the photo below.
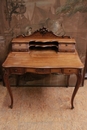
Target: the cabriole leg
pixel 6 80
pixel 79 78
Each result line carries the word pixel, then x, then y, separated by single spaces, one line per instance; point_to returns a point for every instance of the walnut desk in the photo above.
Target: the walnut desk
pixel 42 56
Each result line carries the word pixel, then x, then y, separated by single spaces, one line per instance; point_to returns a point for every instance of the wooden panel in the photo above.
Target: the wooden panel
pixel 39 70
pixel 54 70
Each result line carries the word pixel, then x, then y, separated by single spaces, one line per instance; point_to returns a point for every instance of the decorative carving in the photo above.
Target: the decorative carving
pixel 43 30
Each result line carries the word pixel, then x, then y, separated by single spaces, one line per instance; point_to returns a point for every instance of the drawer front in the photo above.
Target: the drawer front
pixel 20 47
pixel 17 70
pixel 55 70
pixel 39 70
pixel 66 47
pixel 70 71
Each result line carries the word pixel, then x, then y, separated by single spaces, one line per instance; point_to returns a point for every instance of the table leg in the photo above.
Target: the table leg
pixel 6 80
pixel 67 80
pixel 79 77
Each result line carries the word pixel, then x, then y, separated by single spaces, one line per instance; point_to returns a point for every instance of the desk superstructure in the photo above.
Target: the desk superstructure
pixel 43 53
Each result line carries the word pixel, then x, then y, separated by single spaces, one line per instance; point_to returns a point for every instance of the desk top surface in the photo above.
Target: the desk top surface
pixel 43 59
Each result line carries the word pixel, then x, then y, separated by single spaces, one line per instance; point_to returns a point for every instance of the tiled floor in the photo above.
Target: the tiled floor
pixel 43 108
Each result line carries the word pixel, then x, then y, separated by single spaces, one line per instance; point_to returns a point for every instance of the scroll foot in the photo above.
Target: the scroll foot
pixel 11 106
pixel 72 107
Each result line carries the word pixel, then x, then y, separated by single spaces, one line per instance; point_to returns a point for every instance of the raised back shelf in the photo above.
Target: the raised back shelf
pixel 43 39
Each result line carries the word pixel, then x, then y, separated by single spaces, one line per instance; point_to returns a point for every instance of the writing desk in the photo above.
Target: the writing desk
pixel 42 61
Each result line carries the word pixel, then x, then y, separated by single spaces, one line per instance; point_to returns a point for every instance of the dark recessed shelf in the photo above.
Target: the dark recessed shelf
pixel 35 45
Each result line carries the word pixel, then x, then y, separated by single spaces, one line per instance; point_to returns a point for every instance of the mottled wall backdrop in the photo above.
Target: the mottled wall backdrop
pixel 63 17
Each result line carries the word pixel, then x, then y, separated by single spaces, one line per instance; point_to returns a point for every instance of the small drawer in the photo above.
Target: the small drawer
pixel 39 70
pixel 70 71
pixel 65 47
pixel 54 70
pixel 16 70
pixel 42 70
pixel 20 47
